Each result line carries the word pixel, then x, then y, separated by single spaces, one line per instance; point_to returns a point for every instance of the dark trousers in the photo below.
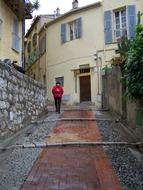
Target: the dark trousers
pixel 57 104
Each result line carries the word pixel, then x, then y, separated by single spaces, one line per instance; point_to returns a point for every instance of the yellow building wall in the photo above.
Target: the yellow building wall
pixel 37 69
pixel 63 58
pixel 6 15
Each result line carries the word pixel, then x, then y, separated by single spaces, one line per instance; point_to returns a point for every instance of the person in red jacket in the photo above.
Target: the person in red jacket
pixel 57 91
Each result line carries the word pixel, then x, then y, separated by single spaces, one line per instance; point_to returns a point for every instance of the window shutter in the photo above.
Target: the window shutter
pixel 15 38
pixel 45 42
pixel 40 46
pixel 79 27
pixel 15 25
pixel 1 23
pixel 131 20
pixel 108 26
pixel 63 33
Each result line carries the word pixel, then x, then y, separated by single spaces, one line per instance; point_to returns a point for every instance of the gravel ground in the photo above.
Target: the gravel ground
pixel 15 164
pixel 128 167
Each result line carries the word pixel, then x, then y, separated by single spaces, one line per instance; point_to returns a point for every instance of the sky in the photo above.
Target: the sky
pixel 49 6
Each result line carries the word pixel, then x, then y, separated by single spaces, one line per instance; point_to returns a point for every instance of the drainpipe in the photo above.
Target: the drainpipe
pixel 23 35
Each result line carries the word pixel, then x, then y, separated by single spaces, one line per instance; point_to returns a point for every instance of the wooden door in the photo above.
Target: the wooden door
pixel 85 88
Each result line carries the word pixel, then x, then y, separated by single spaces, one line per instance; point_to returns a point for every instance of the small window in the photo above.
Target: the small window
pixel 1 25
pixel 29 47
pixel 87 70
pixel 42 45
pixel 34 39
pixel 44 79
pixel 60 79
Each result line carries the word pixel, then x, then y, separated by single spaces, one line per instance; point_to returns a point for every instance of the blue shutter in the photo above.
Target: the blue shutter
pixel 79 27
pixel 15 37
pixel 63 33
pixel 108 26
pixel 131 20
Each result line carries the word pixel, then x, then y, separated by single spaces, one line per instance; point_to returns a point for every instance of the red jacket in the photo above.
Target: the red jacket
pixel 57 91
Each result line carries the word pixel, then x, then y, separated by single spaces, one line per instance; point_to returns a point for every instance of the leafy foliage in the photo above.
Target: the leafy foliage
pixel 30 7
pixel 133 69
pixel 35 5
pixel 123 47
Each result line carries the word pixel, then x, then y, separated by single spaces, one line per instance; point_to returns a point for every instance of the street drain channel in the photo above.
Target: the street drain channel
pixel 48 145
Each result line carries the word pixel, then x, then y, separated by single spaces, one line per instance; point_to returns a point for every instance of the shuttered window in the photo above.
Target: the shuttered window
pixel 124 23
pixel 71 30
pixel 15 37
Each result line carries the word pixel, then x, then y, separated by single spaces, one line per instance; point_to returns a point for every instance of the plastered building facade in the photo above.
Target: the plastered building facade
pixel 35 48
pixel 12 29
pixel 10 34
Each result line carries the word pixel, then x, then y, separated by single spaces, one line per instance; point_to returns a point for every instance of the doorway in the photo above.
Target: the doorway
pixel 85 88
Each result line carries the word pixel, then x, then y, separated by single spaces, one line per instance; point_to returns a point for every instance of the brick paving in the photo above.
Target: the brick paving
pixel 72 167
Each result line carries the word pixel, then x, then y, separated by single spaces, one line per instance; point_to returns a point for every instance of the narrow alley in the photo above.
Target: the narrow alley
pixel 85 151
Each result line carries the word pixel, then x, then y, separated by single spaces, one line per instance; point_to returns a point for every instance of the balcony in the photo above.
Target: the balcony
pixel 22 8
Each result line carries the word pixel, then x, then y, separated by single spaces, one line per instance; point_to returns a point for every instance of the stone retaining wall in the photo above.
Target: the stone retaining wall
pixel 21 99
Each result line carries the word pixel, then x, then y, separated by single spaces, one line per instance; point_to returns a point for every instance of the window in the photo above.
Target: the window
pixel 84 68
pixel 15 37
pixel 71 30
pixel 44 79
pixel 42 45
pixel 60 79
pixel 34 39
pixel 120 24
pixel 1 25
pixel 29 47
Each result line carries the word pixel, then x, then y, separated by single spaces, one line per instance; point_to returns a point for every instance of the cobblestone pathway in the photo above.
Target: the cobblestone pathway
pixel 73 167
